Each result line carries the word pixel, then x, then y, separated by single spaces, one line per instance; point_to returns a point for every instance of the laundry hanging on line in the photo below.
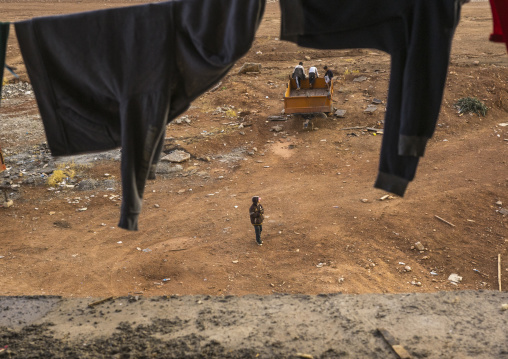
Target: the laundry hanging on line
pixel 499 10
pixel 125 73
pixel 123 88
pixel 418 36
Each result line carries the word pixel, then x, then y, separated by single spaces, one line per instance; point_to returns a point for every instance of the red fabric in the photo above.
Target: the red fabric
pixel 500 19
pixel 2 163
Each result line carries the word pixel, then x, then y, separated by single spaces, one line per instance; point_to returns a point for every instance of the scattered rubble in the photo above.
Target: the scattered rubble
pixel 340 113
pixel 419 246
pixel 454 278
pixel 176 156
pixel 16 90
pixel 360 79
pixel 370 108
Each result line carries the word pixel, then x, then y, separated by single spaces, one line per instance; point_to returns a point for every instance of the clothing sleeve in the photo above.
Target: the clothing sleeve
pixel 433 24
pixel 4 35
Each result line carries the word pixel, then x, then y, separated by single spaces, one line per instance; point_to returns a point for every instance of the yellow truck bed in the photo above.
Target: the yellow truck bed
pixel 308 100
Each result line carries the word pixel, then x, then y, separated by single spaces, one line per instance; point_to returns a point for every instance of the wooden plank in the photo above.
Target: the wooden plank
pixel 93 304
pixel 445 221
pixel 499 271
pixel 399 350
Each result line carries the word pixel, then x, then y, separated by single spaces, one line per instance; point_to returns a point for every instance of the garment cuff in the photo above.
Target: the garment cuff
pixel 129 222
pixel 412 145
pixel 391 183
pixel 496 38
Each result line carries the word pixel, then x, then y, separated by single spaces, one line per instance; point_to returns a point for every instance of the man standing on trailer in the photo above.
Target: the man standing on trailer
pixel 299 75
pixel 328 77
pixel 313 74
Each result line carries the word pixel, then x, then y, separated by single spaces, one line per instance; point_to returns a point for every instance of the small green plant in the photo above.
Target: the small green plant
pixel 471 105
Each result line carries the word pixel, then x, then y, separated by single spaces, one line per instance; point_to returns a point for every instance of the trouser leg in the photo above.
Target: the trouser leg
pixel 258 230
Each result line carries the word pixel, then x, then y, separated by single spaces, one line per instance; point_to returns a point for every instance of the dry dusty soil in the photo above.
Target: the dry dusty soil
pixel 193 283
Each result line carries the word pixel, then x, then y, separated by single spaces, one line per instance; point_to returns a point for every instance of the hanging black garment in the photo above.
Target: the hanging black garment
pixel 418 36
pixel 117 77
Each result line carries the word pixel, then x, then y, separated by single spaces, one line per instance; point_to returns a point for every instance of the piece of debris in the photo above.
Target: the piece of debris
pixel 408 268
pixel 454 278
pixel 360 79
pixel 504 306
pixel 301 355
pixel 375 130
pixel 399 350
pixel 62 224
pixel 503 211
pixel 441 219
pixel 340 113
pixel 499 203
pixel 177 156
pixel 181 120
pixel 250 67
pixel 276 118
pixel 370 108
pixel 377 101
pixel 235 261
pixel 480 273
pixel 276 128
pixel 419 246
pixel 7 204
pixel 93 304
pixel 216 87
pixel 364 200
pixel 386 196
pixel 504 124
pixel 499 271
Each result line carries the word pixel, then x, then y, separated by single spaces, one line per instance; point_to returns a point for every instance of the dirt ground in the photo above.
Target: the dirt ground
pixel 326 228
